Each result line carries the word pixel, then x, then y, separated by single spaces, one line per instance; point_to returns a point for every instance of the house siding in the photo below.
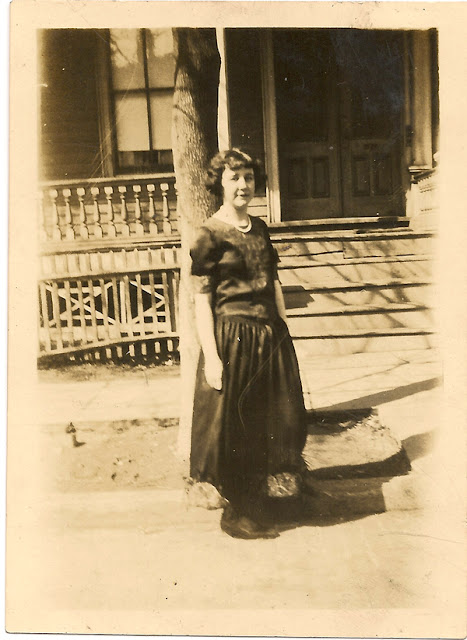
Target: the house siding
pixel 69 117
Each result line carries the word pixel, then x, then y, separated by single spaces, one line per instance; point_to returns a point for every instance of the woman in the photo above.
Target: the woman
pixel 249 420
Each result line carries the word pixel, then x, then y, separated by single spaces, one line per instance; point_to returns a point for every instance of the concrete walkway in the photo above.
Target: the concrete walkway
pixel 350 381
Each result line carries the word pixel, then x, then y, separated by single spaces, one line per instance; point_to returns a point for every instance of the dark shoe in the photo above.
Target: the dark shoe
pixel 238 526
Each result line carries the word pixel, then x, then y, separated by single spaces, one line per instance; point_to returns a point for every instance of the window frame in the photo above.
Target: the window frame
pixel 147 91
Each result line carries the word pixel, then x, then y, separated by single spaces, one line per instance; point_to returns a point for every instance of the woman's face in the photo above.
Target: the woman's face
pixel 238 186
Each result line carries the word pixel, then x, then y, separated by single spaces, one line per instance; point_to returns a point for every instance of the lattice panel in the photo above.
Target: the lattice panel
pixel 107 309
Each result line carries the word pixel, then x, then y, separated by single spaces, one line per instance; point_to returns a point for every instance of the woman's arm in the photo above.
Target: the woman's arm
pixel 205 327
pixel 280 304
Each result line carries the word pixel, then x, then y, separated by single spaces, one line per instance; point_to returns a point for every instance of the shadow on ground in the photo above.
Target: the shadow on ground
pixel 390 395
pixel 419 445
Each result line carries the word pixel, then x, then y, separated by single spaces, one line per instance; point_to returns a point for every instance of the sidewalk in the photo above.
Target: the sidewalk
pixel 141 553
pixel 341 382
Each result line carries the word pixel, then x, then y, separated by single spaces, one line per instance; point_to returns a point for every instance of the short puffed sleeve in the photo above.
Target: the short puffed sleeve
pixel 204 259
pixel 273 253
pixel 275 262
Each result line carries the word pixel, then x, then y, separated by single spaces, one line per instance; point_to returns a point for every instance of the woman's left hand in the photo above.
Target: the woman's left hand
pixel 213 372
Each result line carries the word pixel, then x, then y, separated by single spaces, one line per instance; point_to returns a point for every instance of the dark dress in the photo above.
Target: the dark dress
pixel 247 438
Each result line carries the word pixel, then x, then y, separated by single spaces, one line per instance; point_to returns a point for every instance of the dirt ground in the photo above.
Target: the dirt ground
pixel 113 455
pixel 105 371
pixel 110 447
pixel 102 455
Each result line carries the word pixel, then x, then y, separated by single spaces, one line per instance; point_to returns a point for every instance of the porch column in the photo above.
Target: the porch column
pixel 106 130
pixel 270 126
pixel 223 120
pixel 422 151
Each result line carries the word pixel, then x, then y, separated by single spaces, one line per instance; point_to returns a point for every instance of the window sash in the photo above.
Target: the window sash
pixel 142 106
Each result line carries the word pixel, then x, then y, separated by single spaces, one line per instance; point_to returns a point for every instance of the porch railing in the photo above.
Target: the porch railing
pixel 106 208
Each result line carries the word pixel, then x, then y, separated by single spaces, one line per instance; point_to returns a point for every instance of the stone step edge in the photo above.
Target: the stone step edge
pixel 344 310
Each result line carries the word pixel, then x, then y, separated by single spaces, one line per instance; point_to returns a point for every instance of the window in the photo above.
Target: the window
pixel 142 66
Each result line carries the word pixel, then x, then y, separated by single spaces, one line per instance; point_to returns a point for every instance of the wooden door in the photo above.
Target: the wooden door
pixel 371 101
pixel 339 102
pixel 307 124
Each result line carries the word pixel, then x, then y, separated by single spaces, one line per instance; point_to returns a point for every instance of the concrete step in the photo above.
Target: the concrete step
pixel 300 272
pixel 322 321
pixel 380 293
pixel 336 343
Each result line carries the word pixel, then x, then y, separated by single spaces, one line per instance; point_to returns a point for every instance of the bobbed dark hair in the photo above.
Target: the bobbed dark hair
pixel 233 159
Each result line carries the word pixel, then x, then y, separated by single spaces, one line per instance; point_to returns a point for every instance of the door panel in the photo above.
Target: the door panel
pixel 371 100
pixel 309 181
pixel 339 98
pixel 306 124
pixel 371 178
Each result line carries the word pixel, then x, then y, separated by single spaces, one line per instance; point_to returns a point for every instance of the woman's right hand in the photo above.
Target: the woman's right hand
pixel 213 372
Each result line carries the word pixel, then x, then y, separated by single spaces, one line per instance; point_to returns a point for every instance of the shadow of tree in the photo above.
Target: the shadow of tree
pixel 388 395
pixel 327 504
pixel 363 278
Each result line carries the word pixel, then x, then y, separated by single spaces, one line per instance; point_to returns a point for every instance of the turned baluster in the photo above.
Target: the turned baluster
pixel 138 227
pixel 122 227
pixel 166 226
pixel 56 233
pixel 110 226
pixel 69 233
pixel 96 227
pixel 83 230
pixel 152 210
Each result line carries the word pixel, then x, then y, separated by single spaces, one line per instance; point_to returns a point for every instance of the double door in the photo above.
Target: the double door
pixel 339 110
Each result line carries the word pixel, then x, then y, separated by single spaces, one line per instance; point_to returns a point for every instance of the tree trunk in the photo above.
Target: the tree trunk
pixel 194 143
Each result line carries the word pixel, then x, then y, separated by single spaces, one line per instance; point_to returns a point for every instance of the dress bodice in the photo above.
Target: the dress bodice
pixel 238 268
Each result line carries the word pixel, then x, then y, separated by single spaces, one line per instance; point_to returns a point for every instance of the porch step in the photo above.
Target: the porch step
pixel 356 285
pixel 369 245
pixel 360 333
pixel 336 260
pixel 317 310
pixel 304 271
pixel 355 341
pixel 364 222
pixel 340 296
pixel 289 233
pixel 379 320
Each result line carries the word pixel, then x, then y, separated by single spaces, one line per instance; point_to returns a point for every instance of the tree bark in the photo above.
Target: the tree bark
pixel 194 143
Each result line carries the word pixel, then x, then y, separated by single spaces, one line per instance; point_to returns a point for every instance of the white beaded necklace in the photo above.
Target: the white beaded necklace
pixel 245 228
pixel 242 228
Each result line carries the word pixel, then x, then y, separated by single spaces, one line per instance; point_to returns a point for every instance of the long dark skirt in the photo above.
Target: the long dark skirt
pixel 247 439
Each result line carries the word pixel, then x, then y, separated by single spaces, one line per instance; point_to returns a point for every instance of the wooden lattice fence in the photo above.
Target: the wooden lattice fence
pixel 109 304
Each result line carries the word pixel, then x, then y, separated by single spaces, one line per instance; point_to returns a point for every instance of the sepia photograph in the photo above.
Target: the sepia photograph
pixel 237 288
